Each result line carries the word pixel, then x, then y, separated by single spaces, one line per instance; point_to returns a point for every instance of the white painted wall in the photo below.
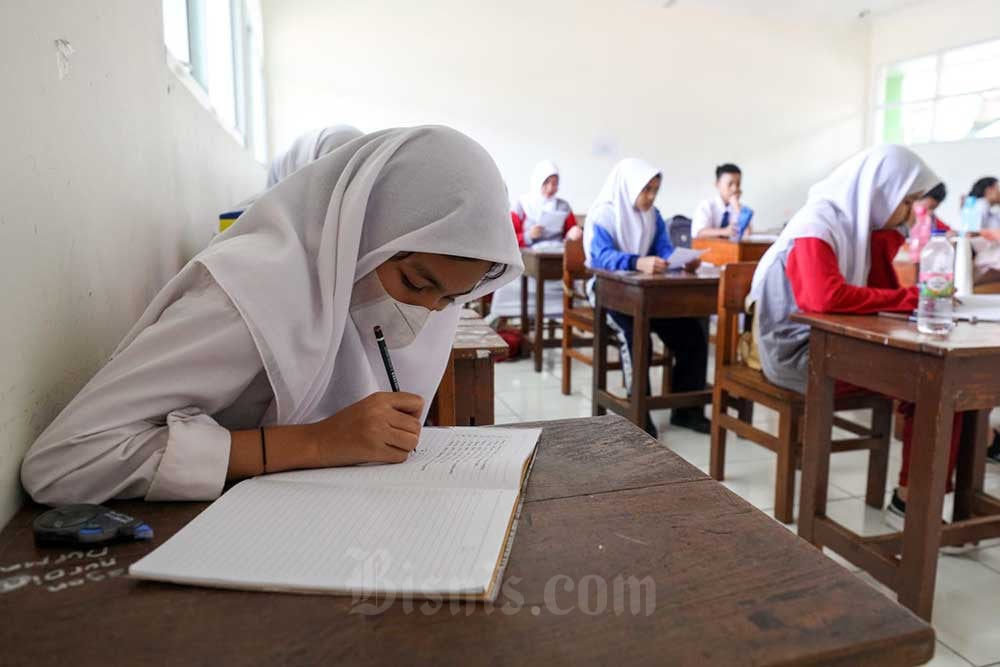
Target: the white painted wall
pixel 924 29
pixel 109 180
pixel 685 88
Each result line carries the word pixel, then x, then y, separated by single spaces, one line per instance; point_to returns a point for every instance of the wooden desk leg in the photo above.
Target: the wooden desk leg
pixel 599 382
pixel 484 391
pixel 932 425
pixel 446 412
pixel 970 470
pixel 539 321
pixel 524 306
pixel 640 364
pixel 816 442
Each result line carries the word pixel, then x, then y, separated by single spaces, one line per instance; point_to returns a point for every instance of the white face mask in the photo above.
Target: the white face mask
pixel 372 306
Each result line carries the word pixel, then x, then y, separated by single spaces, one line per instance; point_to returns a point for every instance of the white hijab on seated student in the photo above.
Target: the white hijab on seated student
pixel 539 207
pixel 272 323
pixel 860 197
pixel 310 147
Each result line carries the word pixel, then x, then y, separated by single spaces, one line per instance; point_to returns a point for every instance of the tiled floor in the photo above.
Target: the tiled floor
pixel 967 600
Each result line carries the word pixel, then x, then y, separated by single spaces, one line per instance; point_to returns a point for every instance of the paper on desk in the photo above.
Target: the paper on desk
pixel 681 257
pixel 982 307
pixel 553 222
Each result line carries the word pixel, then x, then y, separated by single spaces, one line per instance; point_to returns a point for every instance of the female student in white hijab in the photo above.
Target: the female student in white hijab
pixel 259 356
pixel 835 256
pixel 540 218
pixel 625 231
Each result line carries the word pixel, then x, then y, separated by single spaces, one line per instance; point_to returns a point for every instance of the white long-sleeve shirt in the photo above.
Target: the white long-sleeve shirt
pixel 154 422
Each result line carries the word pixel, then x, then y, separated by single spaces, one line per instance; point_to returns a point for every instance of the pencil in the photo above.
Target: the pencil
pixel 384 350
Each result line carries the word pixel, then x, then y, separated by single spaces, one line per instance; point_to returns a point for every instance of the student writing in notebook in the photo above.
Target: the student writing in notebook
pixel 723 215
pixel 272 326
pixel 835 256
pixel 626 232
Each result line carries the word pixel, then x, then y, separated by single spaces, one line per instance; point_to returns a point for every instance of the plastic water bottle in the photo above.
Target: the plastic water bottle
pixel 937 286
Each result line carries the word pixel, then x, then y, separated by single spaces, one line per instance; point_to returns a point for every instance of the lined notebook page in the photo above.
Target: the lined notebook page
pixel 445 457
pixel 305 537
pixel 435 525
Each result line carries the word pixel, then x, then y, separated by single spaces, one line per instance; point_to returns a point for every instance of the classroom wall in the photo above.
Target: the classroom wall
pixel 111 176
pixel 923 29
pixel 584 82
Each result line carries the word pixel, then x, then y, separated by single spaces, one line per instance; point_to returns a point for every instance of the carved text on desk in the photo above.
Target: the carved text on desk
pixel 67 570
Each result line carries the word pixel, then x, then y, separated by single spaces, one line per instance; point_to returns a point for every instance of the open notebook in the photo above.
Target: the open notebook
pixel 439 524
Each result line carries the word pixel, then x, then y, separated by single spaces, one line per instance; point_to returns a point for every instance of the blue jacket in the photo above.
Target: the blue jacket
pixel 604 254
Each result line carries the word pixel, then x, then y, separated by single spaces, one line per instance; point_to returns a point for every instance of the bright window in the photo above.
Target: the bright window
pixel 220 44
pixel 948 96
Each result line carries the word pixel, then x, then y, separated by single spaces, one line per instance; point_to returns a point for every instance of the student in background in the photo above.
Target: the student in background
pixel 987 191
pixel 539 217
pixel 835 256
pixel 986 245
pixel 259 356
pixel 309 147
pixel 625 231
pixel 722 215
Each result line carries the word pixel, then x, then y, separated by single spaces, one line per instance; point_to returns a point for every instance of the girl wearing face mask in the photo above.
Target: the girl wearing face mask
pixel 259 356
pixel 626 232
pixel 835 256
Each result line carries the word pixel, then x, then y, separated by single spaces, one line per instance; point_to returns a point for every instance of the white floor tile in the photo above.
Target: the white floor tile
pixel 965 609
pixel 945 657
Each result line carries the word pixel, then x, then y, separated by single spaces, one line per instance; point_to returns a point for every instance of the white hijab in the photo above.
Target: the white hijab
pixel 533 202
pixel 849 204
pixel 632 229
pixel 310 147
pixel 290 265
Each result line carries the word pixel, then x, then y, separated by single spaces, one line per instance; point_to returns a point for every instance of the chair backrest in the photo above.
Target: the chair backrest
pixel 679 231
pixel 574 269
pixel 734 285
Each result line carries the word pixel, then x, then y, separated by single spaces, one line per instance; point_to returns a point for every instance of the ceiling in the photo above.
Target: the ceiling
pixel 810 10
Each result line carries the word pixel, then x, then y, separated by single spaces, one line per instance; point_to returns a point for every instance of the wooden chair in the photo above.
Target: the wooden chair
pixel 578 318
pixel 735 382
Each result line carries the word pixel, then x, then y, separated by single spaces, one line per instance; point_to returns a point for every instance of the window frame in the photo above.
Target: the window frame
pixel 878 110
pixel 193 72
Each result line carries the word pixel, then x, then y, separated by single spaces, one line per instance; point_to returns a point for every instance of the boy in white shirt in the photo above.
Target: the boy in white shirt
pixel 723 215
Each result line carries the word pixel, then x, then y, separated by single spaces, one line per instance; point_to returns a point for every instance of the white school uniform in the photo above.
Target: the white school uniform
pixel 709 214
pixel 256 329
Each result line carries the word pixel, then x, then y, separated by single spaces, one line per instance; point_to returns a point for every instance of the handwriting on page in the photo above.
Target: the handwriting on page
pixel 452 452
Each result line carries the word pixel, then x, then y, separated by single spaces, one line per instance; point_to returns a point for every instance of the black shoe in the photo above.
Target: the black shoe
pixel 993 453
pixel 895 511
pixel 691 419
pixel 650 428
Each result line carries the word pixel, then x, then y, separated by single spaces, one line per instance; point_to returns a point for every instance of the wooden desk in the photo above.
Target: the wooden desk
pixel 724 251
pixel 942 376
pixel 541 266
pixel 646 297
pixel 604 502
pixel 465 395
